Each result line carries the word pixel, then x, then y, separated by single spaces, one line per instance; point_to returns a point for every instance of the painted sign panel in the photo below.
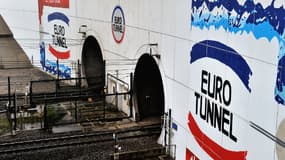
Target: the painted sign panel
pixel 54 29
pixel 58 47
pixel 239 19
pixel 237 86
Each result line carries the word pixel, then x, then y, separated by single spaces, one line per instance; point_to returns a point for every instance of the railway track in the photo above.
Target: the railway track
pixel 78 139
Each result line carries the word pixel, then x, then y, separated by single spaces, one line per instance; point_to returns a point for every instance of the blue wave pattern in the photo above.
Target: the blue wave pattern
pixel 63 71
pixel 263 22
pixel 58 16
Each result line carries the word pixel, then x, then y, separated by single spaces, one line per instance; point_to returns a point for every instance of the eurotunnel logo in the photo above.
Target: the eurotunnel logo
pixel 59 46
pixel 215 97
pixel 118 24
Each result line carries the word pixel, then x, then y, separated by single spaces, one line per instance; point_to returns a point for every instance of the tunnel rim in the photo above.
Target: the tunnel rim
pixel 94 43
pixel 138 116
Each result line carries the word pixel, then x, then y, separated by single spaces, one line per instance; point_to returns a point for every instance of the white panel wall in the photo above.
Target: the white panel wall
pixel 167 23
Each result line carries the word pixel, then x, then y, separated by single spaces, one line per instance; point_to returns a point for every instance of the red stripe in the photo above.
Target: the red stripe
pixel 56 3
pixel 190 155
pixel 40 5
pixel 213 149
pixel 58 54
pixel 120 40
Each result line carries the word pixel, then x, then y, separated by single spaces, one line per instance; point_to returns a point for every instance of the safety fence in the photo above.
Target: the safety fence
pixel 47 103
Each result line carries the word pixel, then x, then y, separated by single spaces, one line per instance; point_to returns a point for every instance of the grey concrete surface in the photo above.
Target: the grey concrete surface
pixel 11 54
pixel 20 79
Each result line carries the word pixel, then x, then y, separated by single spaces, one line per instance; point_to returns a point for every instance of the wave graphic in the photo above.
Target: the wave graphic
pixel 232 58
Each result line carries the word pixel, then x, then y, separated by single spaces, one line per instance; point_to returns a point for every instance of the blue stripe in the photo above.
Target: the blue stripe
pixel 58 16
pixel 174 126
pixel 225 55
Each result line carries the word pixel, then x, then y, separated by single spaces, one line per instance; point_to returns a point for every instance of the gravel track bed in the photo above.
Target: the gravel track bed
pixel 69 140
pixel 33 135
pixel 98 151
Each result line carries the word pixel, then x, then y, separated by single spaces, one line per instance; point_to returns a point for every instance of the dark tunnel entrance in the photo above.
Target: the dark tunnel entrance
pixel 93 64
pixel 148 88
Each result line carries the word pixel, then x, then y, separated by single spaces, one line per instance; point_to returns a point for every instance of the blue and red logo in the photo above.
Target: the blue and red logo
pixel 59 47
pixel 215 97
pixel 118 24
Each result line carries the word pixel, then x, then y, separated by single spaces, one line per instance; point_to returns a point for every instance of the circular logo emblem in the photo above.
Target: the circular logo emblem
pixel 118 24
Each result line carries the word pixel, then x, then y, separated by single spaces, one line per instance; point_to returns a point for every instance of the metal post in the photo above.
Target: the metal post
pixel 31 93
pixel 15 112
pixel 9 92
pixel 169 130
pixel 76 119
pixel 104 71
pixel 115 143
pixel 57 68
pixel 9 106
pixel 41 117
pixel 104 105
pixel 116 86
pixel 79 76
pixel 131 94
pixel 104 93
pixel 165 128
pixel 21 119
pixel 56 87
pixel 45 116
pixel 57 79
pixel 80 90
pixel 78 68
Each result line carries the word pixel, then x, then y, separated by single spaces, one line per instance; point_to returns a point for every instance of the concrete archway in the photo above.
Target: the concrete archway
pixel 148 88
pixel 93 66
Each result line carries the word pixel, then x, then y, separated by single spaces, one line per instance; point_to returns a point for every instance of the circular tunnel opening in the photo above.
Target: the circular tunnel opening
pixel 93 64
pixel 148 88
